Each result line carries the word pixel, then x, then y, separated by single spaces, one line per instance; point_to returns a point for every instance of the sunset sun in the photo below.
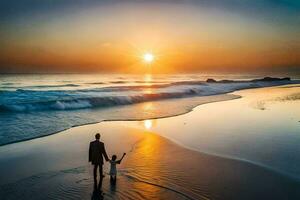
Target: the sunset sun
pixel 148 57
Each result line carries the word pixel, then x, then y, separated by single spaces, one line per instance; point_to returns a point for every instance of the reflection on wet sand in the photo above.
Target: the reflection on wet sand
pixel 97 193
pixel 166 168
pixel 148 124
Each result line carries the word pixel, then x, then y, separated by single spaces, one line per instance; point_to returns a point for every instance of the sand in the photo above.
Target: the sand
pixel 56 167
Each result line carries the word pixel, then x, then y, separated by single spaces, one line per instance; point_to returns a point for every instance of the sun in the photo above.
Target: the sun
pixel 148 57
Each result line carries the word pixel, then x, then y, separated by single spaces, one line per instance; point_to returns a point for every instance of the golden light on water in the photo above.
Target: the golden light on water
pixel 148 79
pixel 148 106
pixel 148 124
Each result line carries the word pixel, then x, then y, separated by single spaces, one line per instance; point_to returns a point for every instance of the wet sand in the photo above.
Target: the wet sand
pixel 56 167
pixel 203 176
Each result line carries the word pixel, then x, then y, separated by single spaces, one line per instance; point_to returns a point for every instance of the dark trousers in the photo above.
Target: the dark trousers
pixel 95 175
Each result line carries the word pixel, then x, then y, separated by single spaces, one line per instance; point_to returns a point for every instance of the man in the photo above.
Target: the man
pixel 96 153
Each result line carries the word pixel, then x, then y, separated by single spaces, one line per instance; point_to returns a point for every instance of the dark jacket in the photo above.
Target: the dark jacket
pixel 96 151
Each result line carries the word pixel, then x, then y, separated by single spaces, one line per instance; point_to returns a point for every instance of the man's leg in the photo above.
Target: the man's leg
pixel 101 170
pixel 95 176
pixel 101 177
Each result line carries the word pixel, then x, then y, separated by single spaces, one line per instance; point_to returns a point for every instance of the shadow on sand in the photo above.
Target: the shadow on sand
pixel 98 193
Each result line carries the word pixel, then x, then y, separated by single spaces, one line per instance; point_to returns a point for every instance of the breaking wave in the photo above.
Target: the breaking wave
pixel 22 100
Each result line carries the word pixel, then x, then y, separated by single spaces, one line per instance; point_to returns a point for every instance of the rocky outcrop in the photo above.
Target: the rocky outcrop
pixel 267 79
pixel 210 80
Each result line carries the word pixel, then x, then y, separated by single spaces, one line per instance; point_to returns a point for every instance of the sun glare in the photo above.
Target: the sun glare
pixel 148 57
pixel 148 124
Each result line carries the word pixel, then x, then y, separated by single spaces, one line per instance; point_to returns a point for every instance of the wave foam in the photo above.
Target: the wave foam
pixel 123 95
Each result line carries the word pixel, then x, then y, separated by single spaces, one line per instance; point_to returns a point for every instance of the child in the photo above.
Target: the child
pixel 113 168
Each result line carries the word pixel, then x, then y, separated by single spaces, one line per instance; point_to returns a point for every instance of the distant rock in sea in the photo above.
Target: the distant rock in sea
pixel 228 81
pixel 272 79
pixel 211 80
pixel 265 79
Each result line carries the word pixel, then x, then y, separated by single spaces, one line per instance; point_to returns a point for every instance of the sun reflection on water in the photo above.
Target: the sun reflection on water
pixel 148 78
pixel 148 106
pixel 148 124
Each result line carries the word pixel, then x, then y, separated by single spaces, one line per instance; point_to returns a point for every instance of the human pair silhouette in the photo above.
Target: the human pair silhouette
pixel 96 153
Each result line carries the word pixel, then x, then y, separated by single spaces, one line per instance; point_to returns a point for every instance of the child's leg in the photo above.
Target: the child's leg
pixel 113 179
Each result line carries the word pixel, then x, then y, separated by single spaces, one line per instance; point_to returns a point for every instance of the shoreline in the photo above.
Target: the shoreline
pixel 187 103
pixel 152 158
pixel 233 97
pixel 237 159
pixel 159 117
pixel 162 127
pixel 235 162
pixel 230 97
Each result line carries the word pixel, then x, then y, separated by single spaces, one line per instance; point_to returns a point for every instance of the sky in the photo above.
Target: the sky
pixel 184 36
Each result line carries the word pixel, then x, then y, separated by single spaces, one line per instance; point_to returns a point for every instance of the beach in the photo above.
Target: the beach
pixel 160 162
pixel 149 100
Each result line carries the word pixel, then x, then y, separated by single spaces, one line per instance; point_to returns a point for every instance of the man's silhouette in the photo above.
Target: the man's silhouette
pixel 96 153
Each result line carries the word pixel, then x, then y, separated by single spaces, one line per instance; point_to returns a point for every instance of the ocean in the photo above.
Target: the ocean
pixel 36 105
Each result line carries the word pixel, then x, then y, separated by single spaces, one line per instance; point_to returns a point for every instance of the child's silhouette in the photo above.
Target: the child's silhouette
pixel 113 168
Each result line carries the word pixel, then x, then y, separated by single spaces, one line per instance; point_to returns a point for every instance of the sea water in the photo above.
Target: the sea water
pixel 36 105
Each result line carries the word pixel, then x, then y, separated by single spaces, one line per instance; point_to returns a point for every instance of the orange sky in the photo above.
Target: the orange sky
pixel 113 38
